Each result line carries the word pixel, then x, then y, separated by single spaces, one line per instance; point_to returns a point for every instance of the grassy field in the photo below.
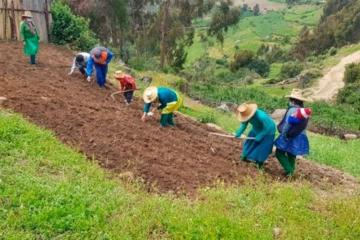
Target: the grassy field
pixel 47 191
pixel 273 28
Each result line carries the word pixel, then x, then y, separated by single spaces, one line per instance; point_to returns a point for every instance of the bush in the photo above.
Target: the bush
pixel 350 94
pixel 241 59
pixel 68 28
pixel 260 66
pixel 291 69
pixel 207 117
pixel 332 51
pixel 352 73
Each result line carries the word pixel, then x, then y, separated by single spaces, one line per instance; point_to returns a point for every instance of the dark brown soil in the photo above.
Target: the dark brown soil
pixel 84 116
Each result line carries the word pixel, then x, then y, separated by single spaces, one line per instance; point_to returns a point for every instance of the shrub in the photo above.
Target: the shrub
pixel 241 59
pixel 68 28
pixel 332 51
pixel 352 73
pixel 207 117
pixel 350 94
pixel 291 69
pixel 260 66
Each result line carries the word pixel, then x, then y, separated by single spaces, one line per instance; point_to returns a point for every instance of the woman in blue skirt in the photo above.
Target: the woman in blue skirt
pixel 293 140
pixel 263 132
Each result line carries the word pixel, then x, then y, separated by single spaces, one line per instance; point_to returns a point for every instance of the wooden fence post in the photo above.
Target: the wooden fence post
pixel 12 22
pixel 46 11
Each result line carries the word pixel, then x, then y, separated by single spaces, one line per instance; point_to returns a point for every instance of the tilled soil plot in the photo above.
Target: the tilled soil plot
pixel 179 159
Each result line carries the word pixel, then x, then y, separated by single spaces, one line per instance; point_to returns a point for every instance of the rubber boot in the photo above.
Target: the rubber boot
pixel 32 59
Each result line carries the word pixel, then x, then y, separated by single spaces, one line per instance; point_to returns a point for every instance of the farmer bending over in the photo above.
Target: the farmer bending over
pixel 263 130
pixel 80 62
pixel 170 101
pixel 127 85
pixel 100 57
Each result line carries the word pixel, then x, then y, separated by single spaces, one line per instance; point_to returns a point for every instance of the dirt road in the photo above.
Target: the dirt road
pixel 265 5
pixel 82 115
pixel 332 82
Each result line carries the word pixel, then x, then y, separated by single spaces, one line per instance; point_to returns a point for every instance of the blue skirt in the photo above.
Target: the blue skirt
pixel 297 146
pixel 258 151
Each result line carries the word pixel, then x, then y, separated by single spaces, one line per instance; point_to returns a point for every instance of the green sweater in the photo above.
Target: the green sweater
pixel 31 41
pixel 262 125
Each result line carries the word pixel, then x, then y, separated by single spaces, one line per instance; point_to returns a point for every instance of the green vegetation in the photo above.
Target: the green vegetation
pixel 350 94
pixel 337 27
pixel 68 28
pixel 48 191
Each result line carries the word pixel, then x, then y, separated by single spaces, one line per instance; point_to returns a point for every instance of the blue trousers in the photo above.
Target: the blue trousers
pixel 101 72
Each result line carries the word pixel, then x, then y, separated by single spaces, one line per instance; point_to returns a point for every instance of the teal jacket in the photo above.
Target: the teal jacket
pixel 165 96
pixel 262 125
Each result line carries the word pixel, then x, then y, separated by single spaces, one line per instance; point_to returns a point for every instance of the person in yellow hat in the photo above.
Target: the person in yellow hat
pixel 169 100
pixel 292 140
pixel 263 132
pixel 29 36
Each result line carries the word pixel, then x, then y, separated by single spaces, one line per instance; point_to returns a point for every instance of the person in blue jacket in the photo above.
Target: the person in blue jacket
pixel 100 57
pixel 170 101
pixel 293 140
pixel 263 132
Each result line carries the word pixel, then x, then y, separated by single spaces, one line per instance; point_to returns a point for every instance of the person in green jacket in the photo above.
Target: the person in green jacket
pixel 263 132
pixel 169 100
pixel 29 36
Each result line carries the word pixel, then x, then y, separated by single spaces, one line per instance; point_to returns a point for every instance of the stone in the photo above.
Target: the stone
pixel 2 100
pixel 276 232
pixel 350 136
pixel 278 114
pixel 224 107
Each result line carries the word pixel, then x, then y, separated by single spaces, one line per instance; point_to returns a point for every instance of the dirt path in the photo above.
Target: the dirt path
pixel 332 82
pixel 84 116
pixel 265 5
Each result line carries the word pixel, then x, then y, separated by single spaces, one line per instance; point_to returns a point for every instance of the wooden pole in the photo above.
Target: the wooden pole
pixel 5 18
pixel 230 136
pixel 12 22
pixel 163 33
pixel 46 12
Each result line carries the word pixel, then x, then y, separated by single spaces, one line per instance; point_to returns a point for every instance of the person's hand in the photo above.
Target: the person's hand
pixel 88 79
pixel 143 118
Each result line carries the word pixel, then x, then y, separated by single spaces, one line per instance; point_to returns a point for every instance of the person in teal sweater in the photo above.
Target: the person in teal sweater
pixel 263 132
pixel 170 101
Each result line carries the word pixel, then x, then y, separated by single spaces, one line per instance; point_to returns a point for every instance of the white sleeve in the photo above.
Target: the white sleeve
pixel 73 66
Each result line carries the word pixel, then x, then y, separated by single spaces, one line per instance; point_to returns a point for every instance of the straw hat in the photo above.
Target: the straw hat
pixel 150 94
pixel 297 94
pixel 119 74
pixel 245 111
pixel 27 14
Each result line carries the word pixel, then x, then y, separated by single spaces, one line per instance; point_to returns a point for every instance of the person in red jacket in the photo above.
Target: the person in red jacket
pixel 127 85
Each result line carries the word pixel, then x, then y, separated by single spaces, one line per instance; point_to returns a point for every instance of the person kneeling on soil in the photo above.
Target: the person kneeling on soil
pixel 127 85
pixel 100 57
pixel 29 36
pixel 80 62
pixel 293 140
pixel 263 132
pixel 170 101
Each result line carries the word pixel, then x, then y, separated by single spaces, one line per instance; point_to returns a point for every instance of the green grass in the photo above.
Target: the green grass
pixel 334 152
pixel 48 191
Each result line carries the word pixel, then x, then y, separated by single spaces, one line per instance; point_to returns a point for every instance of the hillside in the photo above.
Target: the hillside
pixel 86 118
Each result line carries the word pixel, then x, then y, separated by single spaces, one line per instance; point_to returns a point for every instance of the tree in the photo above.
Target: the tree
pixel 223 17
pixel 256 10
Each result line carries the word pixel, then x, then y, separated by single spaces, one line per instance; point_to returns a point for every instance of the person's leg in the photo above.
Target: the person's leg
pixel 99 75
pixel 284 161
pixel 170 119
pixel 164 120
pixel 32 59
pixel 292 163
